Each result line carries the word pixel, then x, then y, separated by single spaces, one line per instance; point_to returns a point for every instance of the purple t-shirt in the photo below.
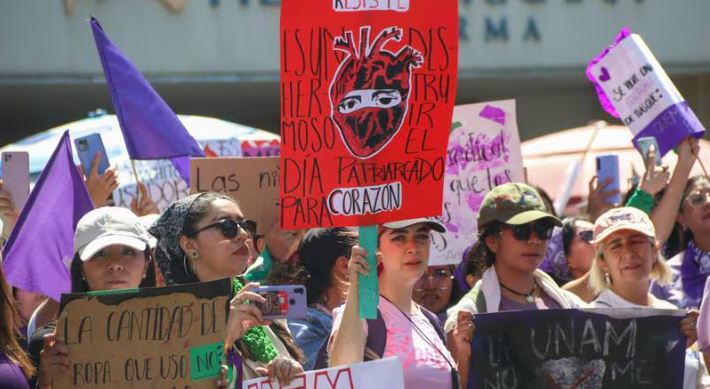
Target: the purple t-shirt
pixel 11 376
pixel 542 302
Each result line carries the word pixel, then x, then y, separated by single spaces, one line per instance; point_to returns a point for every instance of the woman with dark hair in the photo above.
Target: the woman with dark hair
pixel 576 238
pixel 437 290
pixel 579 253
pixel 204 237
pixel 15 367
pixel 324 254
pixel 514 226
pixel 691 266
pixel 112 252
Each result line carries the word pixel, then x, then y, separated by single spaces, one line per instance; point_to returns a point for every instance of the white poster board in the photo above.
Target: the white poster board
pixel 483 152
pixel 643 95
pixel 382 373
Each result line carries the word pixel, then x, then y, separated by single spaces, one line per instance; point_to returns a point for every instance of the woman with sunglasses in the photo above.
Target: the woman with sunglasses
pixel 627 259
pixel 577 236
pixel 112 252
pixel 202 238
pixel 514 227
pixel 691 266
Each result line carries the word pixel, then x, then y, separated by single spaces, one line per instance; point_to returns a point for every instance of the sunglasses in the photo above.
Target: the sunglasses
pixel 543 230
pixel 230 227
pixel 586 235
pixel 438 278
pixel 697 199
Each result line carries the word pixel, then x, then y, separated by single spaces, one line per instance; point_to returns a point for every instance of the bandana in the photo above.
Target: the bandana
pixel 173 263
pixel 167 230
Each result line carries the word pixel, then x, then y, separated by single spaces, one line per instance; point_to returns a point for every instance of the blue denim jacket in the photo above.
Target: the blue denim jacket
pixel 311 332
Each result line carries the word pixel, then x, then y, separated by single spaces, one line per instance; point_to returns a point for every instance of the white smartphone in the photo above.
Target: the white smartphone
pixel 16 176
pixel 644 144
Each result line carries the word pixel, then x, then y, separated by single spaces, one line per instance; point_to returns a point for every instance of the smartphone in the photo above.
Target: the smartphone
pixel 608 167
pixel 87 147
pixel 16 176
pixel 282 301
pixel 644 144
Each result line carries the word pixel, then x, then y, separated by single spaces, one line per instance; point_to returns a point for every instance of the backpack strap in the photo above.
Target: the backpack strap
pixel 376 338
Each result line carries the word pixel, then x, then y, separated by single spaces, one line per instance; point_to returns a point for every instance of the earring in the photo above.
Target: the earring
pixel 607 278
pixel 194 254
pixel 83 278
pixel 145 275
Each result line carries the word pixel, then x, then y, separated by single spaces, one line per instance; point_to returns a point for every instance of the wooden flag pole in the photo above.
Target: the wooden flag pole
pixel 138 181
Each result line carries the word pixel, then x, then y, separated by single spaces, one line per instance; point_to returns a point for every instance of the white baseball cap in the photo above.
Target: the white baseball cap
pixel 623 218
pixel 108 226
pixel 434 224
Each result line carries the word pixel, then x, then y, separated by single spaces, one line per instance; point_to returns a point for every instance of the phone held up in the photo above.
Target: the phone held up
pixel 644 144
pixel 282 301
pixel 87 147
pixel 608 167
pixel 16 176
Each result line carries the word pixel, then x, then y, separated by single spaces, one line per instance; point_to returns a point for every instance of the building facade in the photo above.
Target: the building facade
pixel 221 57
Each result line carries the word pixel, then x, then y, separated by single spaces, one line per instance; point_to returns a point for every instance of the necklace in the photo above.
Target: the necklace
pixel 529 297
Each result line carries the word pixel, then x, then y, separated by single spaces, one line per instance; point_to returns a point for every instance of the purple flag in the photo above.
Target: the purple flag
pixel 43 238
pixel 150 128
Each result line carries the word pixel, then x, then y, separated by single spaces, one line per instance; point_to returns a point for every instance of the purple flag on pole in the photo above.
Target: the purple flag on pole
pixel 43 238
pixel 150 128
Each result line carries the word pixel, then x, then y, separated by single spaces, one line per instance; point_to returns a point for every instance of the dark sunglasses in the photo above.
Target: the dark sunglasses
pixel 230 227
pixel 586 236
pixel 543 230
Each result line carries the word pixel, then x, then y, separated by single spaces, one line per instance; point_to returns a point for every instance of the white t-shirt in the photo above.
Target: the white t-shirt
pixel 607 299
pixel 695 376
pixel 424 367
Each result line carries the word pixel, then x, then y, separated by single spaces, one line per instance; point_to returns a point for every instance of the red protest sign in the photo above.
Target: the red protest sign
pixel 367 94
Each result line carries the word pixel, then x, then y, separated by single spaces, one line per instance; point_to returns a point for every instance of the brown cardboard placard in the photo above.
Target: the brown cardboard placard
pixel 254 182
pixel 170 337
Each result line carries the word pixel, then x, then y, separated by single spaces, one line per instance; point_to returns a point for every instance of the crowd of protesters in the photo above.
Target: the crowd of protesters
pixel 653 250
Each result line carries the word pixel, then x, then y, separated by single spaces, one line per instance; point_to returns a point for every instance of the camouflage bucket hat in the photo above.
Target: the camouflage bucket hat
pixel 513 203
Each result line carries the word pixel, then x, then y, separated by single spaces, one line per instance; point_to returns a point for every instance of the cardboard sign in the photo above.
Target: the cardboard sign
pixel 382 373
pixel 366 99
pixel 253 182
pixel 164 183
pixel 566 348
pixel 643 96
pixel 152 337
pixel 484 152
